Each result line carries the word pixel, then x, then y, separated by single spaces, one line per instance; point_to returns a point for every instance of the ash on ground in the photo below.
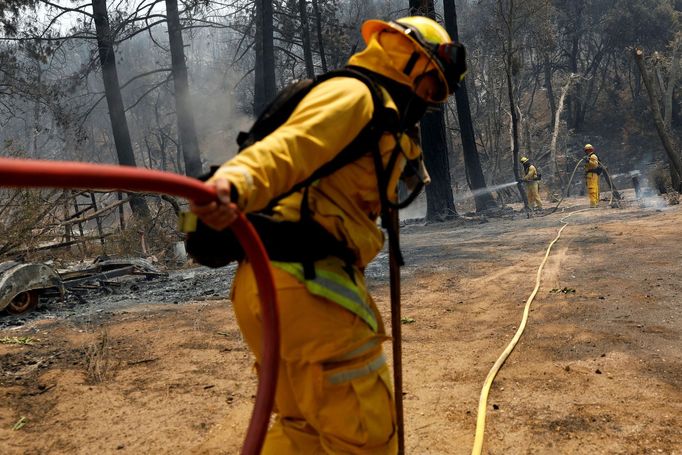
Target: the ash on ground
pixel 178 287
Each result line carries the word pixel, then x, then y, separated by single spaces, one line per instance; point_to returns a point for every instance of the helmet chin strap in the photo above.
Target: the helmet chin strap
pixel 421 104
pixel 409 66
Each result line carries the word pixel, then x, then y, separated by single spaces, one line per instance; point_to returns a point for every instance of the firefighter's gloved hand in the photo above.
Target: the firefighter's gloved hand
pixel 217 214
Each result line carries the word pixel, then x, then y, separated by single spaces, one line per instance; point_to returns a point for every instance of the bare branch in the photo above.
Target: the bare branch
pixel 147 92
pixel 92 108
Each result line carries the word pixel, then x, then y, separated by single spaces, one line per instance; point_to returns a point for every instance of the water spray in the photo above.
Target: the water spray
pixel 489 189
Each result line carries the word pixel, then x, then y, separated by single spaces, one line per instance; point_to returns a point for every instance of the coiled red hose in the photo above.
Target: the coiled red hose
pixel 68 174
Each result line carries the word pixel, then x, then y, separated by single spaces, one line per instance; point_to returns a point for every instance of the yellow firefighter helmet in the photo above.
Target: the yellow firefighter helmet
pixel 432 41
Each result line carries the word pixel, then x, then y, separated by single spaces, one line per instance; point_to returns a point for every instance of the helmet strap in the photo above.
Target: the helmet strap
pixel 409 66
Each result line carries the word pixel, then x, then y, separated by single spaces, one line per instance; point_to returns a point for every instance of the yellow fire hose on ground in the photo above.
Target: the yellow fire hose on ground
pixel 482 402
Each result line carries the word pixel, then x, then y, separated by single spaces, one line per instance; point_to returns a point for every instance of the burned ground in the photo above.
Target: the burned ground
pixel 159 366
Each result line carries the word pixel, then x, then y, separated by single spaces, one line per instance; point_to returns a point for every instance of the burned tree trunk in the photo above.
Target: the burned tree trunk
pixel 515 138
pixel 482 198
pixel 664 134
pixel 320 42
pixel 186 127
pixel 112 91
pixel 548 84
pixel 509 70
pixel 265 87
pixel 555 131
pixel 440 203
pixel 305 39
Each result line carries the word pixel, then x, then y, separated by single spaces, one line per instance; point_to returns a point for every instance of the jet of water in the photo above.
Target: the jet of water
pixel 626 174
pixel 489 189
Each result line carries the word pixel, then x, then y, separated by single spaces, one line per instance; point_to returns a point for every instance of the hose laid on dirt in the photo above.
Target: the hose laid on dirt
pixel 565 192
pixel 483 399
pixel 66 174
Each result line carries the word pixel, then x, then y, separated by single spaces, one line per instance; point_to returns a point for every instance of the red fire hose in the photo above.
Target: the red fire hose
pixel 67 174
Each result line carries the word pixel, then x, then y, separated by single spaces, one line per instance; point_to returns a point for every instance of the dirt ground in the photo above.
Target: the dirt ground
pixel 598 369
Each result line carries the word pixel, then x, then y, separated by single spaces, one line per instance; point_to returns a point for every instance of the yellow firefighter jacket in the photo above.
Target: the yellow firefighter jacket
pixel 592 162
pixel 530 174
pixel 346 202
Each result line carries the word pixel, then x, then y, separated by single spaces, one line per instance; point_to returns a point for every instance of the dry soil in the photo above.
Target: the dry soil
pixel 598 369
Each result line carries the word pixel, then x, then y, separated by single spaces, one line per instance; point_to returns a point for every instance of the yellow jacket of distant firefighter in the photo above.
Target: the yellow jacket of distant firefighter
pixel 592 176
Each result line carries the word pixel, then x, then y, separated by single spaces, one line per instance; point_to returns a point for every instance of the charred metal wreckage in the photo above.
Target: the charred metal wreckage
pixel 23 284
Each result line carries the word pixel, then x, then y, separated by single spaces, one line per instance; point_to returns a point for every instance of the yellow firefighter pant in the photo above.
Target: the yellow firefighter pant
pixel 592 181
pixel 334 392
pixel 533 191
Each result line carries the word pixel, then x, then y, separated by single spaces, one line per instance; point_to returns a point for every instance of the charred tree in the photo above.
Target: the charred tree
pixel 515 139
pixel 187 131
pixel 555 131
pixel 305 39
pixel 575 100
pixel 112 91
pixel 265 88
pixel 663 132
pixel 440 203
pixel 320 41
pixel 483 199
pixel 509 73
pixel 547 67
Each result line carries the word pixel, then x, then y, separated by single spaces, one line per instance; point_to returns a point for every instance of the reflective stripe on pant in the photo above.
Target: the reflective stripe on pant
pixel 332 281
pixel 533 191
pixel 333 393
pixel 592 181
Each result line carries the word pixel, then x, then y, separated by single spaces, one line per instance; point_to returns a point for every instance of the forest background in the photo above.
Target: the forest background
pixel 168 84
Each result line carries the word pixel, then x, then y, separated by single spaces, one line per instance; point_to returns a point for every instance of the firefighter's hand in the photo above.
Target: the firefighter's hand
pixel 218 214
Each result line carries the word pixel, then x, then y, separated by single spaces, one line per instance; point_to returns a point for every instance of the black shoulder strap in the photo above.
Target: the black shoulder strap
pixel 363 142
pixel 276 112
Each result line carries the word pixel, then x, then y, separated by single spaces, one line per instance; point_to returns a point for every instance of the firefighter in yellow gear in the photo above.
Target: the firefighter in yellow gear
pixel 532 181
pixel 592 171
pixel 334 393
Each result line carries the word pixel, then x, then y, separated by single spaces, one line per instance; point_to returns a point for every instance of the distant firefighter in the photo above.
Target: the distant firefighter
pixel 532 180
pixel 592 171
